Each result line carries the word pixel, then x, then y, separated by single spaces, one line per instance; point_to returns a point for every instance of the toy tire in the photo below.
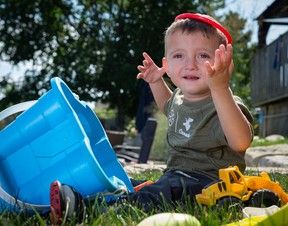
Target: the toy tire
pixel 228 201
pixel 264 198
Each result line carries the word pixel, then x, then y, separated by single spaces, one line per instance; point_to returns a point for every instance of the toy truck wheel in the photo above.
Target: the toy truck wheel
pixel 228 201
pixel 264 198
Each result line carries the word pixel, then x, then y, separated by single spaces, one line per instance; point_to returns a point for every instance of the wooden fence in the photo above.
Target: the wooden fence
pixel 270 86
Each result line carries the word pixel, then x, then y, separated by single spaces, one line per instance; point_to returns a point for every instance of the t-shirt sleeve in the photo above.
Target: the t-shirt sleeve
pixel 245 111
pixel 167 106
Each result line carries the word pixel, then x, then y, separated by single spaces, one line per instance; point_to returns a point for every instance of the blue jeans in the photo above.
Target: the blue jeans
pixel 171 187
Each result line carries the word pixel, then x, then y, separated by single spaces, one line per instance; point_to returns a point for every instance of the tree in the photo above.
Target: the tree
pixel 94 46
pixel 242 55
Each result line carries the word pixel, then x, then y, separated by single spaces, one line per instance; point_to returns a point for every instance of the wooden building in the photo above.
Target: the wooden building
pixel 270 73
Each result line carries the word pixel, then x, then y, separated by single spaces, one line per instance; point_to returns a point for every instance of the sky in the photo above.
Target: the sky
pixel 249 9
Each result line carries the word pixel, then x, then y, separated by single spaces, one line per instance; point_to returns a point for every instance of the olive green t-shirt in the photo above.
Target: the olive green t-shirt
pixel 195 140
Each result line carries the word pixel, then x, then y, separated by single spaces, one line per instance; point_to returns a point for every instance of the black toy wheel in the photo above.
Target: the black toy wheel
pixel 264 198
pixel 228 202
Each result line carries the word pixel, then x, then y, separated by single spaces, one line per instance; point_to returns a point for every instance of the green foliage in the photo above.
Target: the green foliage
pixel 94 46
pixel 243 53
pixel 159 149
pixel 105 113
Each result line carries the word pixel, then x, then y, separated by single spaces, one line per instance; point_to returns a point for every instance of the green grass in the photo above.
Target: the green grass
pixel 130 215
pixel 263 142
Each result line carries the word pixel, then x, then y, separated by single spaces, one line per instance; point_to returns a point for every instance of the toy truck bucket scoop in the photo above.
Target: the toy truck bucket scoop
pixel 57 137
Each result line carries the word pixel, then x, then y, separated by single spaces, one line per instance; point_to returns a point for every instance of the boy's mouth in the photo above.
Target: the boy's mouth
pixel 191 77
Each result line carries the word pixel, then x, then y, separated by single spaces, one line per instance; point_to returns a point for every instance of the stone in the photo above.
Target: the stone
pixel 267 156
pixel 274 137
pixel 140 168
pixel 275 161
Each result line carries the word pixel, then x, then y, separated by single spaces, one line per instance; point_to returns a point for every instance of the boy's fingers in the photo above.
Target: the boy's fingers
pixel 223 54
pixel 209 68
pixel 147 57
pixel 140 76
pixel 140 68
pixel 217 58
pixel 145 63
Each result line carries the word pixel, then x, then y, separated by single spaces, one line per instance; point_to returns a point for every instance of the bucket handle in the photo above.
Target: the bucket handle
pixel 3 194
pixel 16 109
pixel 14 202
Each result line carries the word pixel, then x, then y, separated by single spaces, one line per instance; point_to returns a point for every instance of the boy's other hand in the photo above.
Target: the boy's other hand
pixel 218 75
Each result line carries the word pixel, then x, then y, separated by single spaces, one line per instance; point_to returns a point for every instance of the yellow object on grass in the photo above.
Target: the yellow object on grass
pixel 279 218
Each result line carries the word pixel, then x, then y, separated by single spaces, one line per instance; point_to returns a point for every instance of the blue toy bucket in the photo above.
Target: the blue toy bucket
pixel 57 138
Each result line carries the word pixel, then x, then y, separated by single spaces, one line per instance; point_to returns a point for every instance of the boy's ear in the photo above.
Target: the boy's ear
pixel 164 64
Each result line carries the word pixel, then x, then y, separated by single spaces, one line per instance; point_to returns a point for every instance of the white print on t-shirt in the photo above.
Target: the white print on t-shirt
pixel 171 117
pixel 187 124
pixel 184 133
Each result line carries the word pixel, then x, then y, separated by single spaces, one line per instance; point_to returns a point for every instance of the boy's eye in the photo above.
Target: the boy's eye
pixel 177 56
pixel 203 56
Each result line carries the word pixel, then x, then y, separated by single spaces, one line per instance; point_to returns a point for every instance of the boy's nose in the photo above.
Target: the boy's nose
pixel 191 64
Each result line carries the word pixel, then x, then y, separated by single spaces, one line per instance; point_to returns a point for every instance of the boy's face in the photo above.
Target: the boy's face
pixel 184 62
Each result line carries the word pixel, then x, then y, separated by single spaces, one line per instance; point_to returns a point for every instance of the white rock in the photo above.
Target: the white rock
pixel 170 219
pixel 274 137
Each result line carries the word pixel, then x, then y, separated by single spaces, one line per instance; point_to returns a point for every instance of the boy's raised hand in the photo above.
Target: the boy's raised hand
pixel 149 71
pixel 219 74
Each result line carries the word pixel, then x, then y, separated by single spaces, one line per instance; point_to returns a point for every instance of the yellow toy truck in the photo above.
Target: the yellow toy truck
pixel 234 187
